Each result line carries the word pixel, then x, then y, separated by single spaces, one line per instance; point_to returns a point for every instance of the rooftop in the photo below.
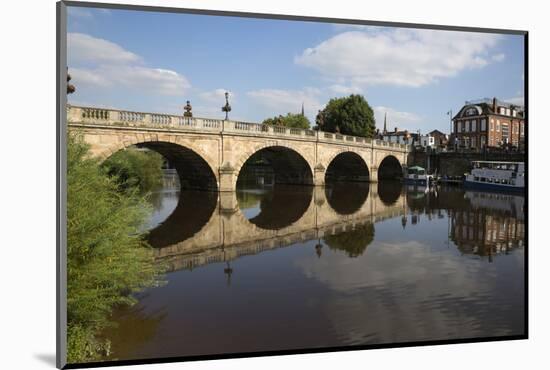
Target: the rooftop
pixel 500 103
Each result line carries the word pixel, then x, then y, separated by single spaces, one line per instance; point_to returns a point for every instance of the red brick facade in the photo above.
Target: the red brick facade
pixel 489 124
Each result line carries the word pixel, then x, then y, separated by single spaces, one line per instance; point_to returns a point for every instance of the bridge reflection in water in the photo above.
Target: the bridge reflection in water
pixel 209 227
pixel 285 267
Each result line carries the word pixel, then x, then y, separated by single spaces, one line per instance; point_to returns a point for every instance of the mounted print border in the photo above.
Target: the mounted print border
pixel 273 186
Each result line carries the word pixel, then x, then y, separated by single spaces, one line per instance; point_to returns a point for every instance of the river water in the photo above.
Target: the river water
pixel 299 267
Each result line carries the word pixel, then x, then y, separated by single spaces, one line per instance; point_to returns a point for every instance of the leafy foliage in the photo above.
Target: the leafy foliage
pixel 290 120
pixel 107 259
pixel 350 115
pixel 135 168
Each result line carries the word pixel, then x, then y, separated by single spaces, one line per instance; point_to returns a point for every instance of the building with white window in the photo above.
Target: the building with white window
pixel 489 123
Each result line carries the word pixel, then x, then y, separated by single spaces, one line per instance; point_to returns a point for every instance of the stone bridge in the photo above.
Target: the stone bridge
pixel 227 234
pixel 210 153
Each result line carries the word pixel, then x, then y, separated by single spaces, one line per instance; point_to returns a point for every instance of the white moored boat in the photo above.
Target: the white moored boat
pixel 418 175
pixel 500 176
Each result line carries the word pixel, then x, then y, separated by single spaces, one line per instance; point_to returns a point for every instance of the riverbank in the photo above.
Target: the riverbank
pixel 108 258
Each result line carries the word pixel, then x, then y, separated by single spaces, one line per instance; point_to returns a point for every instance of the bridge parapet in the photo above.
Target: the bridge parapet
pixel 121 118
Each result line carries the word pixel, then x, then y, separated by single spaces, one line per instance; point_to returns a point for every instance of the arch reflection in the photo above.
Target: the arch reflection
pixel 275 208
pixel 193 211
pixel 346 198
pixel 389 191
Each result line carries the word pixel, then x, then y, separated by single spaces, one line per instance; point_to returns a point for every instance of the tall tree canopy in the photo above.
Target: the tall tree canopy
pixel 350 115
pixel 290 120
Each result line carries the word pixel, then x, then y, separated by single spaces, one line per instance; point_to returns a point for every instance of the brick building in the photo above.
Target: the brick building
pixel 441 139
pixel 489 123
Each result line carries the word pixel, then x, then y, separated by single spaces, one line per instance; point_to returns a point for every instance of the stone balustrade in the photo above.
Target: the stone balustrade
pixel 115 117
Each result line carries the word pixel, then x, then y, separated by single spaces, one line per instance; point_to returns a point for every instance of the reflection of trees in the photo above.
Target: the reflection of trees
pixel 353 242
pixel 249 199
pixel 282 206
pixel 132 328
pixel 347 198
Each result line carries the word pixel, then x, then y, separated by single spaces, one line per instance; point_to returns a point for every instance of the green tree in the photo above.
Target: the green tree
pixel 290 120
pixel 135 168
pixel 350 115
pixel 107 258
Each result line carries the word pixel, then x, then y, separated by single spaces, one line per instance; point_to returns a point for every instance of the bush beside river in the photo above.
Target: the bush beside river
pixel 135 168
pixel 107 257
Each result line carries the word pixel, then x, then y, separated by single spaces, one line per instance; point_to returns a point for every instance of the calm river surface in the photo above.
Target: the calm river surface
pixel 297 267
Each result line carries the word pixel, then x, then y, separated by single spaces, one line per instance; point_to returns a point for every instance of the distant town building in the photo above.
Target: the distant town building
pixel 441 140
pixel 404 136
pixel 489 123
pixel 400 137
pixel 427 141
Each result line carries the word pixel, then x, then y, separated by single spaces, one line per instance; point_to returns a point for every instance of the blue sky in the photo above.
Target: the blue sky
pixel 154 62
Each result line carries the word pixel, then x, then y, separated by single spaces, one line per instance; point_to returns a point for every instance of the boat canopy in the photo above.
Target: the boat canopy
pixel 416 169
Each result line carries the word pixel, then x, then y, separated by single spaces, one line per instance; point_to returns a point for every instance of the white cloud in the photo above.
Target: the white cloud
pixel 498 57
pixel 345 90
pixel 285 101
pixel 153 80
pixel 399 57
pixel 101 63
pixel 401 120
pixel 397 294
pixel 217 96
pixel 88 49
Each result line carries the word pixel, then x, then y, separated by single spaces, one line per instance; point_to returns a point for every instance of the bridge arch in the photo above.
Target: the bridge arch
pixel 192 165
pixel 289 165
pixel 390 168
pixel 346 166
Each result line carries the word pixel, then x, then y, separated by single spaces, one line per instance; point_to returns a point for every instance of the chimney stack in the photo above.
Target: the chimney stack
pixel 494 105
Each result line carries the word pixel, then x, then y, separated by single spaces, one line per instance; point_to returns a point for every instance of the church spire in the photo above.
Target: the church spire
pixel 385 128
pixel 302 108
